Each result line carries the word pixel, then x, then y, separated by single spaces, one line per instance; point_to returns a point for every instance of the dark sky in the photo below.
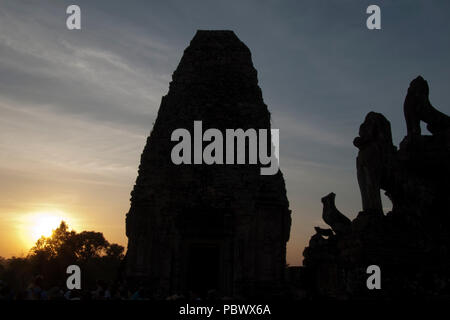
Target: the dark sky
pixel 76 106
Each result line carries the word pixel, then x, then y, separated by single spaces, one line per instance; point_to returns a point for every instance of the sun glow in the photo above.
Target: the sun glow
pixel 44 225
pixel 40 224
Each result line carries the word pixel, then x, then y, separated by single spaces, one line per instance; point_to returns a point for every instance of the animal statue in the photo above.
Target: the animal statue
pixel 374 160
pixel 417 107
pixel 333 217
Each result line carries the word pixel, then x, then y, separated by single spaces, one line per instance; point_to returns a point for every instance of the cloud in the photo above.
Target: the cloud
pixel 32 138
pixel 44 65
pixel 296 127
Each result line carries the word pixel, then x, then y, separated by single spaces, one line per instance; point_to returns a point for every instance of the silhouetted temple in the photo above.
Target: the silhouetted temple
pixel 201 227
pixel 411 243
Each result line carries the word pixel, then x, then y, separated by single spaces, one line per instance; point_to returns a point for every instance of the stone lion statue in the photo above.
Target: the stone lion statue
pixel 417 107
pixel 333 217
pixel 374 160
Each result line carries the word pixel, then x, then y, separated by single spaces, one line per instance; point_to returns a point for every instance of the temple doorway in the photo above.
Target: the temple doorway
pixel 203 268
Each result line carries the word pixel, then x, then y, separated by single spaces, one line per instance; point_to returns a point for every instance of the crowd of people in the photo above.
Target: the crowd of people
pixel 37 290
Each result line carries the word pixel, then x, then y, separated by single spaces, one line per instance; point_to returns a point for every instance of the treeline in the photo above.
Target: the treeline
pixel 48 260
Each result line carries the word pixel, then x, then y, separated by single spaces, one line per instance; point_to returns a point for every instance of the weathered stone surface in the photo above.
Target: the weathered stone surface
pixel 411 244
pixel 201 227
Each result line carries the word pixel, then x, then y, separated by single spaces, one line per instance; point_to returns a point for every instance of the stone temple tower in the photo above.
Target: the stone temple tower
pixel 197 227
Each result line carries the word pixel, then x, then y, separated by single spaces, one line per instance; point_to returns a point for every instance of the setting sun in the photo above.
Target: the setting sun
pixel 44 224
pixel 38 224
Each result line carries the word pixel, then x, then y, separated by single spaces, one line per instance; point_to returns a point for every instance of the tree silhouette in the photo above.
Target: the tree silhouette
pixel 50 257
